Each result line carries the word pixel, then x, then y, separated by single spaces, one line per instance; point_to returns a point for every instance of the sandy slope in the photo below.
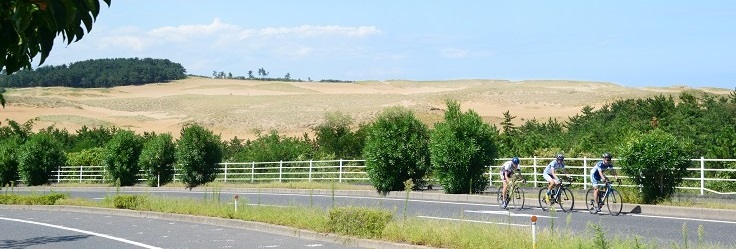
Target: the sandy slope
pixel 239 108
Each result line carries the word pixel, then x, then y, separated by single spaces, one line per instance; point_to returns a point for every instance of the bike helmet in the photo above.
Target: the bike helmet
pixel 607 155
pixel 515 160
pixel 560 157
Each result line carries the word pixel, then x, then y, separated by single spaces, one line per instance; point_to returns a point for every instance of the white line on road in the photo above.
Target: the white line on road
pixel 474 221
pixel 509 213
pixel 83 231
pixel 681 218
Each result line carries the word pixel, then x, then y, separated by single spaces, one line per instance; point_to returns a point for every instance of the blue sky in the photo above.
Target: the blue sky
pixel 630 43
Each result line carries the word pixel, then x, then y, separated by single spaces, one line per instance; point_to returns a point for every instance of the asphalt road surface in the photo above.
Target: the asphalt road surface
pixel 660 228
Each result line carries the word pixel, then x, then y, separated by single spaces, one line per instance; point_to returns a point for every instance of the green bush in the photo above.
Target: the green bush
pixel 8 162
pixel 121 157
pixel 157 159
pixel 657 161
pixel 396 150
pixel 198 151
pixel 462 147
pixel 38 157
pixel 334 137
pixel 128 201
pixel 358 221
pixel 86 157
pixel 47 199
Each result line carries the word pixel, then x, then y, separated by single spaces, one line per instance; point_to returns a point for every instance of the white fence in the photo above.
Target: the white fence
pixel 328 170
pixel 354 171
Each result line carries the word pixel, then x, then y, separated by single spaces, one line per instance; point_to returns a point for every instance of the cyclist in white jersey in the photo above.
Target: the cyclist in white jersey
pixel 549 172
pixel 507 171
pixel 597 178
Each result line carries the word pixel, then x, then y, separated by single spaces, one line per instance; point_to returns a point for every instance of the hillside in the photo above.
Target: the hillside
pixel 239 107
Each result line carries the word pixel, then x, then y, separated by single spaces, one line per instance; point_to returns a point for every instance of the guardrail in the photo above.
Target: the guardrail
pixel 354 171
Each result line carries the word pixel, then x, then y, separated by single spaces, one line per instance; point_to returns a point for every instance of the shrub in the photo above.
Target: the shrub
pixel 128 201
pixel 462 147
pixel 121 157
pixel 358 221
pixel 157 159
pixel 47 199
pixel 8 162
pixel 335 137
pixel 38 157
pixel 86 157
pixel 198 151
pixel 396 150
pixel 657 161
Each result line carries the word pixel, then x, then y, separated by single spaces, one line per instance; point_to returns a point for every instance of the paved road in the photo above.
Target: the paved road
pixel 64 229
pixel 663 227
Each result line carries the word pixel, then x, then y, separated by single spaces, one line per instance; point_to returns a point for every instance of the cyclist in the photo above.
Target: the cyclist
pixel 597 178
pixel 550 174
pixel 507 171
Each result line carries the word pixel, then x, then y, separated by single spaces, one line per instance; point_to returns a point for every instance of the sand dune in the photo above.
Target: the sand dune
pixel 238 107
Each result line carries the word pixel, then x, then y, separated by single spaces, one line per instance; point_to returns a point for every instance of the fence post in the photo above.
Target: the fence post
pixel 490 175
pixel 281 169
pixel 585 172
pixel 702 175
pixel 225 171
pixel 58 174
pixel 340 169
pixel 81 169
pixel 310 170
pixel 535 171
pixel 252 171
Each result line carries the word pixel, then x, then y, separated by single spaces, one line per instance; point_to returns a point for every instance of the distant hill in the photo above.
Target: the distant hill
pixel 239 107
pixel 98 73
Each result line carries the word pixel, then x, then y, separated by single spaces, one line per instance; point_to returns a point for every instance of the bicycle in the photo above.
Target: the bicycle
pixel 561 194
pixel 608 195
pixel 513 191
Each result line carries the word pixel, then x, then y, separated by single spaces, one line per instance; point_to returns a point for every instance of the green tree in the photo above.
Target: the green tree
pixel 335 137
pixel 157 159
pixel 8 162
pixel 462 147
pixel 29 27
pixel 657 161
pixel 396 150
pixel 38 157
pixel 87 157
pixel 121 157
pixel 198 151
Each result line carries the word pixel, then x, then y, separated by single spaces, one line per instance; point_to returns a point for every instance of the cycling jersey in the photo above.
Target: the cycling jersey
pixel 508 166
pixel 553 165
pixel 603 167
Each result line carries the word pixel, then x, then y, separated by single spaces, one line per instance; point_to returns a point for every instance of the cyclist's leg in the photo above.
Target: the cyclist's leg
pixel 504 191
pixel 550 182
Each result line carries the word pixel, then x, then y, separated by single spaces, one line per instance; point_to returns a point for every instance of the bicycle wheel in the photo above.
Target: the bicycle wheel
pixel 543 204
pixel 566 200
pixel 614 202
pixel 499 197
pixel 589 201
pixel 517 199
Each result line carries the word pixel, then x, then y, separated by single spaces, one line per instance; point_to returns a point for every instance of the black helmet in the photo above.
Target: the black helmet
pixel 560 157
pixel 607 155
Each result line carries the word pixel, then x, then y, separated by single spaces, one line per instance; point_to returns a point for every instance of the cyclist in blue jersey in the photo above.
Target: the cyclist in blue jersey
pixel 507 171
pixel 550 173
pixel 597 178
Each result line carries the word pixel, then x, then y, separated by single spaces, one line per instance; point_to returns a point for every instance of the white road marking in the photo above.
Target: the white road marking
pixel 509 213
pixel 83 231
pixel 474 221
pixel 681 218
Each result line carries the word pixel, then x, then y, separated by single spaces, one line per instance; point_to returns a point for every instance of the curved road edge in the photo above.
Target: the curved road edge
pixel 248 225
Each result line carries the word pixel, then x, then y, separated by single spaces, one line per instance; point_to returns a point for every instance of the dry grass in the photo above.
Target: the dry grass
pixel 238 108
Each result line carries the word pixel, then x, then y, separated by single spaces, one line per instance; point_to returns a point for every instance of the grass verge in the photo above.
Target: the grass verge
pixel 415 231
